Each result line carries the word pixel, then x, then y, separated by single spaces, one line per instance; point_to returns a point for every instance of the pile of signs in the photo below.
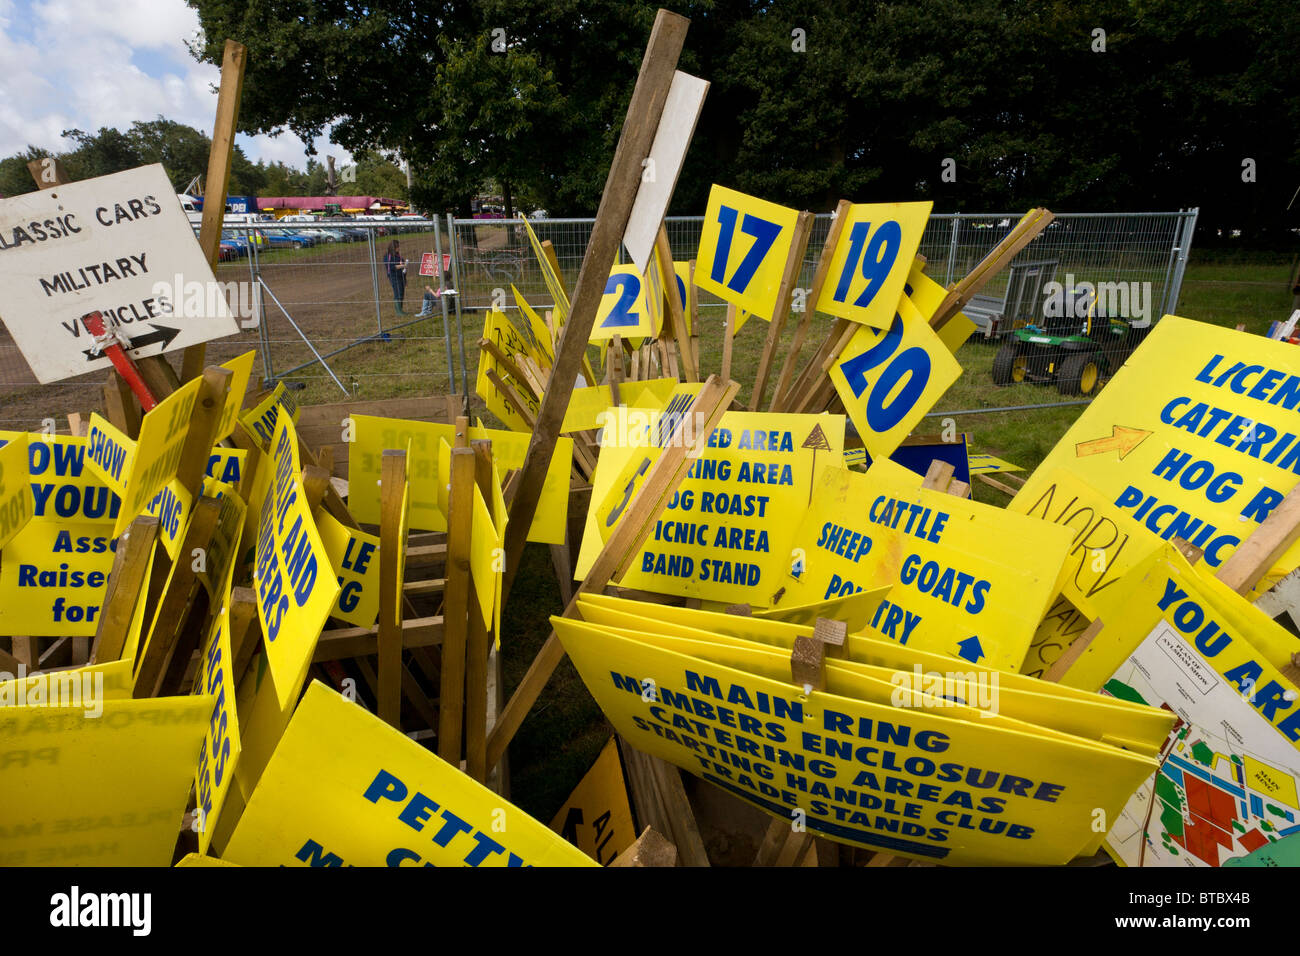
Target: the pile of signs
pixel 277 632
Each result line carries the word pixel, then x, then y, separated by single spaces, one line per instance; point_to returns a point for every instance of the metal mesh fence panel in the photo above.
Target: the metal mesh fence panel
pixel 317 303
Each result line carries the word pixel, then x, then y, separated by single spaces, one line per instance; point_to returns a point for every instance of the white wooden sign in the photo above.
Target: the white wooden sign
pixel 117 244
pixel 659 170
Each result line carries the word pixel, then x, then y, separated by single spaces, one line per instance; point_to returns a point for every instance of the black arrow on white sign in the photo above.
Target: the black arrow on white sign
pixel 160 333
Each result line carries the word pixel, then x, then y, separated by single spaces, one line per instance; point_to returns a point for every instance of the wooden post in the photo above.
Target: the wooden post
pixel 1265 546
pixel 392 489
pixel 204 420
pixel 455 605
pixel 163 638
pixel 728 337
pixel 637 136
pixel 960 293
pixel 126 581
pixel 793 265
pixel 664 477
pixel 479 646
pixel 779 396
pixel 48 172
pixel 675 313
pixel 215 186
pixel 693 310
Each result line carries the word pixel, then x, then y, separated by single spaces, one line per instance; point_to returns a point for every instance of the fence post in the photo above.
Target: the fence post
pixel 454 241
pixel 1180 265
pixel 442 301
pixel 952 250
pixel 374 273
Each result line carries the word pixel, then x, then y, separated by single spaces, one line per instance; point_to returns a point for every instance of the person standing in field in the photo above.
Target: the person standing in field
pixel 395 266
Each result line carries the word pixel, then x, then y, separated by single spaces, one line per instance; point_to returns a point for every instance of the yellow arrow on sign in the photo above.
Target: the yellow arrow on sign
pixel 1122 440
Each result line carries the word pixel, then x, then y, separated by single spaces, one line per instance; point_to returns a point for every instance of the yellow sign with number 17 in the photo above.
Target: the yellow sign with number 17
pixel 744 244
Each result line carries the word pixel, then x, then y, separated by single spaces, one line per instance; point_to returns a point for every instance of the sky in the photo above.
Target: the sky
pixel 86 64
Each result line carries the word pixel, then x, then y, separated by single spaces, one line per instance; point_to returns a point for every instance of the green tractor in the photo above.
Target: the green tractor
pixel 1076 347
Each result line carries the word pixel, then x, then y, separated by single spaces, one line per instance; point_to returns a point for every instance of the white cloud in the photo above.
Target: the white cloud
pixel 88 64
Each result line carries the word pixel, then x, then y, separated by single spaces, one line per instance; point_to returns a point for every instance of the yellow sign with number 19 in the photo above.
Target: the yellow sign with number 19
pixel 871 261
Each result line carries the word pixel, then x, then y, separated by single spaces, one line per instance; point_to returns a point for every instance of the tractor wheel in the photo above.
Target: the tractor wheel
pixel 1079 374
pixel 1010 364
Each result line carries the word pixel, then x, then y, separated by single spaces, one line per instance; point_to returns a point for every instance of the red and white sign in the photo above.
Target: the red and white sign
pixel 427 268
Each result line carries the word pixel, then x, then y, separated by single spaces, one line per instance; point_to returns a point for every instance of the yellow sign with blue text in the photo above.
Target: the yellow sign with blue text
pixel 1229 775
pixel 744 245
pixel 916 777
pixel 220 750
pixel 725 533
pixel 345 789
pixel 623 309
pixel 295 584
pixel 53 578
pixel 888 379
pixel 137 475
pixel 871 261
pixel 261 418
pixel 960 582
pixel 1194 438
pixel 354 556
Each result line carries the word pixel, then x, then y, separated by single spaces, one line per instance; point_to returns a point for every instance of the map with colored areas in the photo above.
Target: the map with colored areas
pixel 1227 783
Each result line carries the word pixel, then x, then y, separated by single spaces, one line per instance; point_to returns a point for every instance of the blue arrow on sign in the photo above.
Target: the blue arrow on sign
pixel 970 649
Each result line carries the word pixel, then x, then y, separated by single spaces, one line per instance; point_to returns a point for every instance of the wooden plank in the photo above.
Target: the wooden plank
pixel 126 582
pixel 994 483
pixel 215 187
pixel 479 645
pixel 779 396
pixel 507 363
pixel 336 644
pixel 1264 547
pixel 120 406
pixel 391 490
pixel 512 398
pixel 664 477
pixel 938 476
pixel 456 599
pixel 204 419
pixel 635 139
pixel 48 172
pixel 961 292
pixel 728 339
pixel 245 630
pixel 676 316
pixel 176 603
pixel 693 310
pixel 793 266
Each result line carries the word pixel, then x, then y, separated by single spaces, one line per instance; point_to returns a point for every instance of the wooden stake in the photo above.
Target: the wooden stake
pixel 1264 547
pixel 391 490
pixel 779 397
pixel 793 265
pixel 479 646
pixel 635 140
pixel 960 293
pixel 220 157
pixel 728 337
pixel 455 607
pixel 677 317
pixel 693 310
pixel 126 581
